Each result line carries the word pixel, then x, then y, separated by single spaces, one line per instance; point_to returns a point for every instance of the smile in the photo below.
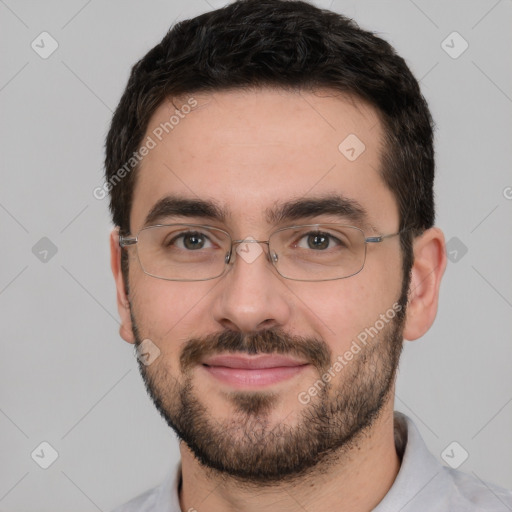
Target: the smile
pixel 252 371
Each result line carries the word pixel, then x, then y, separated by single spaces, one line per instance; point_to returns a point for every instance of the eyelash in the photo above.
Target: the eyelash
pixel 295 243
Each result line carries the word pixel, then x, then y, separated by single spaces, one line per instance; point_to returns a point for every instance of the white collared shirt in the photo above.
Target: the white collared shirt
pixel 422 484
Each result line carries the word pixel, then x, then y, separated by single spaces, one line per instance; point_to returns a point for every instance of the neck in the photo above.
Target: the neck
pixel 358 480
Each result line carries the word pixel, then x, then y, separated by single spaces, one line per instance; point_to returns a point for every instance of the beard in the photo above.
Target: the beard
pixel 249 447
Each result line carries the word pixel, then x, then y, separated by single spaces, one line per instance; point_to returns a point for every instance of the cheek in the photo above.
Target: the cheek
pixel 167 312
pixel 343 309
pixel 159 313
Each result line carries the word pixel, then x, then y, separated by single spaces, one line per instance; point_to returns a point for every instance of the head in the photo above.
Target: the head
pixel 258 116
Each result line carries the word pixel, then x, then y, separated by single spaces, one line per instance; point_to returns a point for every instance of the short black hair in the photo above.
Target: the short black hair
pixel 288 44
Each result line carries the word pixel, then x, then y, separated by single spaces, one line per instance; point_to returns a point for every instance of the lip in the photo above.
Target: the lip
pixel 252 362
pixel 252 371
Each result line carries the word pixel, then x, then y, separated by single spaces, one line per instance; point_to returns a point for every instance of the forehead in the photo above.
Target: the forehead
pixel 248 151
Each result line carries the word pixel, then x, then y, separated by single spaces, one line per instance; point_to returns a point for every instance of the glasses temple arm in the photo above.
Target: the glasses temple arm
pixel 125 241
pixel 377 239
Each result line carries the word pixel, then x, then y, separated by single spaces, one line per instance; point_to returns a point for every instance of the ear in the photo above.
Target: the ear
pixel 427 271
pixel 123 305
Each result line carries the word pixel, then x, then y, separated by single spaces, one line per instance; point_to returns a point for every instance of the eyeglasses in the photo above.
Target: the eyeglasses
pixel 192 252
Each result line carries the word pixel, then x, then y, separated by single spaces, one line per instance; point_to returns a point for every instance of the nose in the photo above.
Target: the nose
pixel 251 296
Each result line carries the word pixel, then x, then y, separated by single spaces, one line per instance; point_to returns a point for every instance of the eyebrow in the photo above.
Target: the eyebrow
pixel 305 207
pixel 176 206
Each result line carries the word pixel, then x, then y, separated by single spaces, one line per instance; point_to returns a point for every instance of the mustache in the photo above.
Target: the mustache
pixel 270 341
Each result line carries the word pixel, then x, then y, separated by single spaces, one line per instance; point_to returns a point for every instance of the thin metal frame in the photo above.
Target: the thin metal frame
pixel 128 241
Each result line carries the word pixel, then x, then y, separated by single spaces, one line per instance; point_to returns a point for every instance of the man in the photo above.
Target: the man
pixel 271 172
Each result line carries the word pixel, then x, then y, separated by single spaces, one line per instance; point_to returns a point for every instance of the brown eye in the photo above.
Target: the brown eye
pixel 318 241
pixel 193 241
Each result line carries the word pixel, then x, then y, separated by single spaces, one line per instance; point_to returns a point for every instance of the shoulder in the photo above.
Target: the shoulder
pixel 163 498
pixel 145 502
pixel 472 493
pixel 423 484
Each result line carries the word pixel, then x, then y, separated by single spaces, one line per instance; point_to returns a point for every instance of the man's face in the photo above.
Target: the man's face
pixel 249 153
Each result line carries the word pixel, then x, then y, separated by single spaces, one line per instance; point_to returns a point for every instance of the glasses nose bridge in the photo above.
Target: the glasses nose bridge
pixel 250 241
pixel 269 257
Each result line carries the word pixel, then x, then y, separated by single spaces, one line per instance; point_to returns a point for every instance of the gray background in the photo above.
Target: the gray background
pixel 67 378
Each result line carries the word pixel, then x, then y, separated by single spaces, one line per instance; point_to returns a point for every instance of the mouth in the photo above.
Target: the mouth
pixel 252 371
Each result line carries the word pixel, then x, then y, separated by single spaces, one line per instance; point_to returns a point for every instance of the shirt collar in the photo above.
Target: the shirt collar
pixel 418 470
